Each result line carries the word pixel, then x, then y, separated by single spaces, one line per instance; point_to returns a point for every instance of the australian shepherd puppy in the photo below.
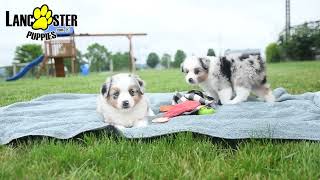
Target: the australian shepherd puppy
pixel 224 78
pixel 122 102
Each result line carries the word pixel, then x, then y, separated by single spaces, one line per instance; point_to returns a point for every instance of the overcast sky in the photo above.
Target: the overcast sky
pixel 193 26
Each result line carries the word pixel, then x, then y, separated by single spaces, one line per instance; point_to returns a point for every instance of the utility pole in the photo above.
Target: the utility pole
pixel 287 28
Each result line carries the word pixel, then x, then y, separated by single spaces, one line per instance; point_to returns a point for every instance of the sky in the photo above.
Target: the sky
pixel 190 25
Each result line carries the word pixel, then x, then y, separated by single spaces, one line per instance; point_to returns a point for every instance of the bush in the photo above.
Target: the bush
pixel 165 60
pixel 178 58
pixel 120 61
pixel 273 53
pixel 153 60
pixel 98 57
pixel 9 71
pixel 302 44
pixel 211 52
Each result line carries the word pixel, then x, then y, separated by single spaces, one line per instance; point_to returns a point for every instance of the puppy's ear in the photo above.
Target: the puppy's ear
pixel 223 58
pixel 181 67
pixel 105 88
pixel 257 57
pixel 140 83
pixel 204 62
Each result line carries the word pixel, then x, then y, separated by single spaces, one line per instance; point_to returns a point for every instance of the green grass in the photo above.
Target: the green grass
pixel 177 156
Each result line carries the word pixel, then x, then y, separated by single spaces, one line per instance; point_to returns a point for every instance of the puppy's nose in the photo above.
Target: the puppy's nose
pixel 125 104
pixel 190 80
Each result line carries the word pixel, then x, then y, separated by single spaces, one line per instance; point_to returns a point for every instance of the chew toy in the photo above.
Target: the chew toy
pixel 205 110
pixel 165 108
pixel 178 109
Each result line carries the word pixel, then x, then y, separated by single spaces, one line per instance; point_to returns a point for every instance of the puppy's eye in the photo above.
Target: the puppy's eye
pixel 187 71
pixel 131 91
pixel 115 95
pixel 196 71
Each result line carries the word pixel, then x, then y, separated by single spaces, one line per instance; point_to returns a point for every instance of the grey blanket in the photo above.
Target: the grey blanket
pixel 64 116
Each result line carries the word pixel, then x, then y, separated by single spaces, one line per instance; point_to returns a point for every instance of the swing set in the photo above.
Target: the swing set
pixel 59 50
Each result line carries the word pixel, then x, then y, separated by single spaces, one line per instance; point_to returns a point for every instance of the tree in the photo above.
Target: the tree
pixel 178 58
pixel 120 61
pixel 153 60
pixel 80 57
pixel 273 53
pixel 302 44
pixel 165 60
pixel 98 57
pixel 317 39
pixel 211 52
pixel 79 61
pixel 27 52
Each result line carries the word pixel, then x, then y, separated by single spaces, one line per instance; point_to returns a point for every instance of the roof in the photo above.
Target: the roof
pixel 242 51
pixel 61 31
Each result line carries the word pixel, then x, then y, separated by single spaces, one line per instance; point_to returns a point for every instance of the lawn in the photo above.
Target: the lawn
pixel 184 155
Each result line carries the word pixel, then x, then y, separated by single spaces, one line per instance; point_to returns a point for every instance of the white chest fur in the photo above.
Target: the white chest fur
pixel 127 118
pixel 209 88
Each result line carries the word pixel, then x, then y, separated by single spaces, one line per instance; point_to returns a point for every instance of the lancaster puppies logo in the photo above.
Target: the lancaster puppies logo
pixel 42 17
pixel 45 24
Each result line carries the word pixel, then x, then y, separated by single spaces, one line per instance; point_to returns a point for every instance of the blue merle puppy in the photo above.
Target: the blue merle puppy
pixel 230 80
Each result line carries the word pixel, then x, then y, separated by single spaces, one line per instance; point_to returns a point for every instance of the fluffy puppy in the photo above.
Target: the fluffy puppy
pixel 122 102
pixel 223 78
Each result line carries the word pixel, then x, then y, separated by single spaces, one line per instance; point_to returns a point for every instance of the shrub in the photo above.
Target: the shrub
pixel 211 52
pixel 153 60
pixel 273 53
pixel 178 58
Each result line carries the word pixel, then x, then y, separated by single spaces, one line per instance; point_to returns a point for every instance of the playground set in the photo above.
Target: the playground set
pixel 63 49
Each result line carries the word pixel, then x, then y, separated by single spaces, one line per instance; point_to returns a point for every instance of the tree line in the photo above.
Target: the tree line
pixel 97 55
pixel 101 59
pixel 166 61
pixel 302 44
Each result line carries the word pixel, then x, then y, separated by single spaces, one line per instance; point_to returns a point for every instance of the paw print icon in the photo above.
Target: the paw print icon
pixel 42 16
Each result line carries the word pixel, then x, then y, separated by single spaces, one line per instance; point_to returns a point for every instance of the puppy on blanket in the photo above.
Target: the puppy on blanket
pixel 225 77
pixel 122 102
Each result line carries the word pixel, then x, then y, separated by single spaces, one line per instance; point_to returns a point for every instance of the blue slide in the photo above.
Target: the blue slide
pixel 24 70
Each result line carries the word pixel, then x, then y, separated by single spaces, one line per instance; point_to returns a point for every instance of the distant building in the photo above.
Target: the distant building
pixel 317 56
pixel 2 71
pixel 141 66
pixel 242 52
pixel 316 53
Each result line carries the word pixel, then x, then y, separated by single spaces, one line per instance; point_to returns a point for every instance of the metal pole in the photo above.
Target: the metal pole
pixel 287 19
pixel 131 57
pixel 14 69
pixel 111 65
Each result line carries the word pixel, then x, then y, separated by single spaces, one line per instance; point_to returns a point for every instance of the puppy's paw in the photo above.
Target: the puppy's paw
pixel 107 119
pixel 141 123
pixel 270 98
pixel 109 122
pixel 150 112
pixel 119 127
pixel 234 101
pixel 160 120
